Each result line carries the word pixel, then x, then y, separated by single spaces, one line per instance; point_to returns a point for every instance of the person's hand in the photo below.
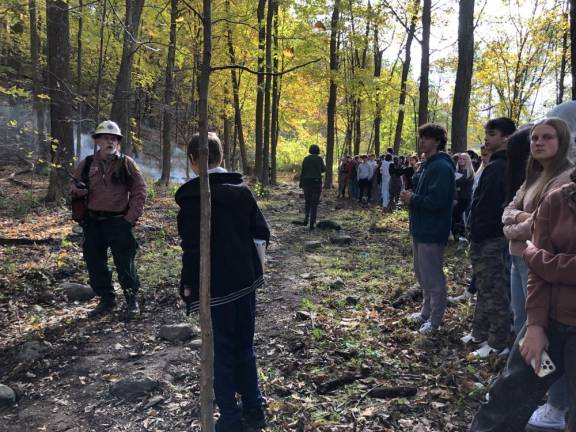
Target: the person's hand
pixel 534 344
pixel 78 192
pixel 522 216
pixel 406 196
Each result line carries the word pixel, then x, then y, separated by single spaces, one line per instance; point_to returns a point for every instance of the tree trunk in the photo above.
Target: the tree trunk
pixel 57 31
pixel 168 96
pixel 43 157
pixel 207 350
pixel 405 70
pixel 237 109
pixel 377 71
pixel 331 108
pixel 424 64
pixel 274 127
pixel 121 112
pixel 79 84
pixel 100 64
pixel 461 101
pixel 260 92
pixel 563 63
pixel 226 138
pixel 573 46
pixel 267 94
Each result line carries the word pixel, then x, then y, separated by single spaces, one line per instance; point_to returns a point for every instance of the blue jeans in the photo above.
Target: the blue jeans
pixel 234 359
pixel 518 287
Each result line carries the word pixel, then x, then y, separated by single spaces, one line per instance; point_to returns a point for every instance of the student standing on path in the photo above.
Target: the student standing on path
pixel 236 274
pixel 385 186
pixel 311 182
pixel 430 207
pixel 488 247
pixel 116 195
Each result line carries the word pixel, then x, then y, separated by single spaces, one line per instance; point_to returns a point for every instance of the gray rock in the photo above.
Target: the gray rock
pixel 78 292
pixel 341 240
pixel 196 344
pixel 352 301
pixel 337 283
pixel 31 351
pixel 303 315
pixel 177 332
pixel 133 388
pixel 312 245
pixel 7 396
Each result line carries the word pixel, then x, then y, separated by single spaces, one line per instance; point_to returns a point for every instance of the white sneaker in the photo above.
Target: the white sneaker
pixel 427 329
pixel 416 318
pixel 485 350
pixel 548 417
pixel 464 297
pixel 471 339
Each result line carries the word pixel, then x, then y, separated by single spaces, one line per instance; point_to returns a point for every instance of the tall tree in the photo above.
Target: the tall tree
pixel 563 61
pixel 207 350
pixel 79 82
pixel 121 112
pixel 377 71
pixel 573 46
pixel 62 134
pixel 259 130
pixel 425 63
pixel 267 93
pixel 333 90
pixel 98 90
pixel 274 127
pixel 405 69
pixel 168 96
pixel 43 145
pixel 461 101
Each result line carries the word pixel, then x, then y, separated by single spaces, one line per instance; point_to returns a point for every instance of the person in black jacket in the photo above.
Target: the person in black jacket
pixel 488 246
pixel 464 183
pixel 236 273
pixel 311 182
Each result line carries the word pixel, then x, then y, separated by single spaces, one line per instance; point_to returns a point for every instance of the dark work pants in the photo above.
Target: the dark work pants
pixel 234 359
pixel 364 185
pixel 114 233
pixel 517 391
pixel 312 191
pixel 458 228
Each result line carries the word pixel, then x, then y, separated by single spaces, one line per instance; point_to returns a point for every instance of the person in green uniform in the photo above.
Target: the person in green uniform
pixel 311 182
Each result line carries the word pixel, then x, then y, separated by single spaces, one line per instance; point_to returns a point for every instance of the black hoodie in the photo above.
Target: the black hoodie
pixel 236 221
pixel 489 200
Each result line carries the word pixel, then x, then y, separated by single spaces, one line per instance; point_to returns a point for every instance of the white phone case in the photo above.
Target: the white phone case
pixel 546 365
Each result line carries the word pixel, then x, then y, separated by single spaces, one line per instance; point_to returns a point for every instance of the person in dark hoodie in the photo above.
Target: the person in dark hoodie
pixel 236 273
pixel 430 207
pixel 311 183
pixel 488 246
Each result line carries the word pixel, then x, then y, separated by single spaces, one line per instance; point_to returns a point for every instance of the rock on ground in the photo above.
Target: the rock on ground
pixel 312 245
pixel 133 388
pixel 337 283
pixel 7 396
pixel 31 351
pixel 177 332
pixel 78 292
pixel 327 225
pixel 341 240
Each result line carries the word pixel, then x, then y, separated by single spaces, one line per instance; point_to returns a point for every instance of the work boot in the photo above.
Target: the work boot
pixel 254 420
pixel 104 307
pixel 132 307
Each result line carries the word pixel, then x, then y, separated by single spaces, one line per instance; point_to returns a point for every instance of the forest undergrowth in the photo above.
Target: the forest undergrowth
pixel 334 354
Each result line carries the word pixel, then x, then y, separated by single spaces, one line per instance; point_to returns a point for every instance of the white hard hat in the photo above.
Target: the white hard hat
pixel 567 112
pixel 107 127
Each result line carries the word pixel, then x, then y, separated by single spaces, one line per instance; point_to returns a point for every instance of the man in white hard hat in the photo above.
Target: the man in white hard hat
pixel 116 193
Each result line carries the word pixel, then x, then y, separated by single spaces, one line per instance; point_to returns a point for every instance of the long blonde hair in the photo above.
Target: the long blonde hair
pixel 535 171
pixel 469 168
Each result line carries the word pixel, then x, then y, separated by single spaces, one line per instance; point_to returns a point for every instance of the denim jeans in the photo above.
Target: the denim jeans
pixel 517 391
pixel 385 188
pixel 518 288
pixel 234 359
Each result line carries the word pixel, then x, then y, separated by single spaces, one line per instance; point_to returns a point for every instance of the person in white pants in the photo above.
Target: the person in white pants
pixel 385 171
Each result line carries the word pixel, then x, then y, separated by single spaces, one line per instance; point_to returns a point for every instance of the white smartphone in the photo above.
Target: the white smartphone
pixel 546 364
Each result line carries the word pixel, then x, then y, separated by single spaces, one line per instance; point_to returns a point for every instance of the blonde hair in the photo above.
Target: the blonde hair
pixel 469 167
pixel 535 171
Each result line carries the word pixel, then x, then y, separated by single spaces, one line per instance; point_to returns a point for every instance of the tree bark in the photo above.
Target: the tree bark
pixel 274 127
pixel 461 101
pixel 121 104
pixel 573 46
pixel 79 83
pixel 425 63
pixel 404 79
pixel 100 64
pixel 260 93
pixel 168 97
pixel 43 158
pixel 62 148
pixel 563 63
pixel 331 108
pixel 377 71
pixel 207 350
pixel 267 94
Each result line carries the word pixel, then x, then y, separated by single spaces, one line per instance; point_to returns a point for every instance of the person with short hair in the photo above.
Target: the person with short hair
pixel 396 172
pixel 116 194
pixel 343 176
pixel 430 207
pixel 488 246
pixel 364 172
pixel 236 273
pixel 311 183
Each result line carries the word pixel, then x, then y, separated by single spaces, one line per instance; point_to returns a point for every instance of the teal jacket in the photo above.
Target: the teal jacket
pixel 431 203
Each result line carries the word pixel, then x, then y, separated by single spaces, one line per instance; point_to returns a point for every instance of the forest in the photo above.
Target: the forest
pixel 334 345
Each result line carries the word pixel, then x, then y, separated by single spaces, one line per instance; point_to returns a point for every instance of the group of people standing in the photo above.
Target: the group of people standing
pixel 523 212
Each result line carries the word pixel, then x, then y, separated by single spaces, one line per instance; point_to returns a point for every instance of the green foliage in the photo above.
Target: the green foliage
pixel 260 190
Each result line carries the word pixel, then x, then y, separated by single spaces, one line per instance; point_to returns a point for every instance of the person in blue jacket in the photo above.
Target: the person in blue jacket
pixel 430 207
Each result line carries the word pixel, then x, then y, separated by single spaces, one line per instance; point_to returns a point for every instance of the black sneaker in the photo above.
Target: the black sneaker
pixel 104 307
pixel 254 420
pixel 132 307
